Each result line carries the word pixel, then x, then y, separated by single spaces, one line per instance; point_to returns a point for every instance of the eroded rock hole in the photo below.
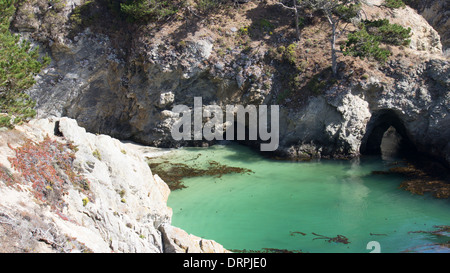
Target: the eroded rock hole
pixel 387 136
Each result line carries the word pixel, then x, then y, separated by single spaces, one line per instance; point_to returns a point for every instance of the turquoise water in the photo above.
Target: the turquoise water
pixel 281 204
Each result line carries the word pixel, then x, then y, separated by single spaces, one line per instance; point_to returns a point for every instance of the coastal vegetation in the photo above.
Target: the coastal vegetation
pixel 394 4
pixel 19 64
pixel 366 42
pixel 48 167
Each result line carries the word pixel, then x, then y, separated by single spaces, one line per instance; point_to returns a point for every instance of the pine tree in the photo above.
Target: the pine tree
pixel 294 6
pixel 336 11
pixel 19 63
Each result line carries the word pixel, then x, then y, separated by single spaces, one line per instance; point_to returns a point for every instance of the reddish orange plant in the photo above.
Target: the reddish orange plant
pixel 47 166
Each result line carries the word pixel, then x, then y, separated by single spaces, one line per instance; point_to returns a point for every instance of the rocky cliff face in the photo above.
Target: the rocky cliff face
pixel 124 210
pixel 130 95
pixel 437 13
pixel 346 119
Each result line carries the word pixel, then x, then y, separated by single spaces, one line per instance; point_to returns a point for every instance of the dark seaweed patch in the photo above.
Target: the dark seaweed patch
pixel 419 180
pixel 173 173
pixel 337 239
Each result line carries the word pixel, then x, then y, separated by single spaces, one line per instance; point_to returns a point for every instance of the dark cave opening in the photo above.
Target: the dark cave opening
pixel 387 136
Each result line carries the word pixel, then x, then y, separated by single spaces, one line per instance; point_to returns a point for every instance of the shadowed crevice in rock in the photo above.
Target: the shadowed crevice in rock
pixel 384 125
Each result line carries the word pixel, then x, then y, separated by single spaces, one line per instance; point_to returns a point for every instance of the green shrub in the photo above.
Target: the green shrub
pixel 315 85
pixel 148 10
pixel 394 4
pixel 5 121
pixel 265 25
pixel 57 5
pixel 347 12
pixel 206 5
pixel 82 16
pixel 243 31
pixel 19 63
pixel 290 54
pixel 362 44
pixel 388 33
pixel 366 42
pixel 97 155
pixel 281 49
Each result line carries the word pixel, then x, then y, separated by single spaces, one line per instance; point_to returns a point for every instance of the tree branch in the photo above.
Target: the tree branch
pixel 329 18
pixel 286 7
pixel 189 9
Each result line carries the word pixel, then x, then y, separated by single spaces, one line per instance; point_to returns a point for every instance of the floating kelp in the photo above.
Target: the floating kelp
pixel 441 232
pixel 293 233
pixel 173 173
pixel 266 250
pixel 438 188
pixel 421 179
pixel 430 248
pixel 337 239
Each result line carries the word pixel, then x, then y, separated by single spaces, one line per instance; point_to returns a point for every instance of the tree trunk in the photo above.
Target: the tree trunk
pixel 333 49
pixel 297 28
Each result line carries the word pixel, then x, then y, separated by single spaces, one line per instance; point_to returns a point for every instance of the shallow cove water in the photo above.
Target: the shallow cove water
pixel 286 205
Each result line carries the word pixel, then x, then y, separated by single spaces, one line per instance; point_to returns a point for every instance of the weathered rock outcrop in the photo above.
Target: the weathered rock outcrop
pixel 437 13
pixel 345 119
pixel 128 212
pixel 423 38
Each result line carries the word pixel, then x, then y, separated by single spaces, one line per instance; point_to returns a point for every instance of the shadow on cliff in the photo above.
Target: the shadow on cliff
pixel 269 23
pixel 192 24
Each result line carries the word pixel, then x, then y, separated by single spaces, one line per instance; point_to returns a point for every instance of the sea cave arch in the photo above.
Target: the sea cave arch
pixel 386 135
